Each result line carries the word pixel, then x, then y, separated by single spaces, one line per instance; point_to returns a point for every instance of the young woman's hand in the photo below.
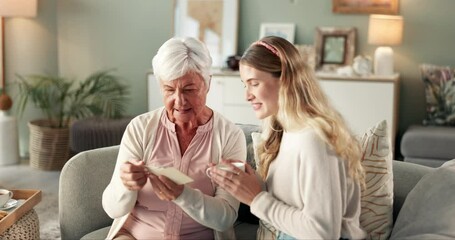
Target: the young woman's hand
pixel 244 186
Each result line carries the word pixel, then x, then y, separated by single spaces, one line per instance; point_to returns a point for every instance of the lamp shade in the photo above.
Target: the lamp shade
pixel 18 8
pixel 385 30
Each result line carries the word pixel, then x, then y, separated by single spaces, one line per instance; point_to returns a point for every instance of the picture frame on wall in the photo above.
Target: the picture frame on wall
pixel 365 6
pixel 284 30
pixel 213 22
pixel 335 47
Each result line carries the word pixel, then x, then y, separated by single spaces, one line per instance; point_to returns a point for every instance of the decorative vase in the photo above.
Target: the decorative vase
pixel 233 62
pixel 9 140
pixel 49 147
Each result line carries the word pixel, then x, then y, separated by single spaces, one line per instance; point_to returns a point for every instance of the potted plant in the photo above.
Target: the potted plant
pixel 63 100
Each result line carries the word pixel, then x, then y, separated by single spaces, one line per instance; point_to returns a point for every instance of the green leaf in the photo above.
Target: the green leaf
pixel 61 99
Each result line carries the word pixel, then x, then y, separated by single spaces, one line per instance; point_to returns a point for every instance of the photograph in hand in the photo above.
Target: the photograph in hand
pixel 171 173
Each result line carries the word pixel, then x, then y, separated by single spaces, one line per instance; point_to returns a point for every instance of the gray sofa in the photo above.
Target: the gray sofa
pixel 85 176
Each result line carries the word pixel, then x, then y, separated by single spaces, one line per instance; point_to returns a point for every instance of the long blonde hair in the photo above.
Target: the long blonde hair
pixel 301 103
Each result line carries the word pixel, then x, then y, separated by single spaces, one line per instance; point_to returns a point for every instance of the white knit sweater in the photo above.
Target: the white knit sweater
pixel 310 195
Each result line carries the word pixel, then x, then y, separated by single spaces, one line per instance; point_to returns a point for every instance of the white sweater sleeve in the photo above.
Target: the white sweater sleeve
pixel 218 212
pixel 320 192
pixel 117 199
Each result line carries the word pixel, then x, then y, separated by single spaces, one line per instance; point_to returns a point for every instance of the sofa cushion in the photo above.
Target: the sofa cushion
pixel 429 211
pixel 439 94
pixel 376 216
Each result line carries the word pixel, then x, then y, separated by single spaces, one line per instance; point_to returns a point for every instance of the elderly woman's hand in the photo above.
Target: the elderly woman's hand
pixel 165 188
pixel 133 174
pixel 244 186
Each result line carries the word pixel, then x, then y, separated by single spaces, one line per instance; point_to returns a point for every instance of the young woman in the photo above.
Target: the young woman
pixel 308 159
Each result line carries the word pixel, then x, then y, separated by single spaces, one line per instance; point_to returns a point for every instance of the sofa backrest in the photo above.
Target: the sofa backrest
pixel 85 176
pixel 82 182
pixel 405 177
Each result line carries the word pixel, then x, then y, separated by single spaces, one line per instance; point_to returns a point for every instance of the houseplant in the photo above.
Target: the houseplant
pixel 63 100
pixel 439 94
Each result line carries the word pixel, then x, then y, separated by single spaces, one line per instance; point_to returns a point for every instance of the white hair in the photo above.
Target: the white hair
pixel 178 56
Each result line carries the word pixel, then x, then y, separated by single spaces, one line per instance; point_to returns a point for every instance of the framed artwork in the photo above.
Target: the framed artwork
pixel 335 47
pixel 213 22
pixel 365 6
pixel 284 30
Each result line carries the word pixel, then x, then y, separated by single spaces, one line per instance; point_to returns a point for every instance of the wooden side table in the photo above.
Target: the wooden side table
pixel 21 222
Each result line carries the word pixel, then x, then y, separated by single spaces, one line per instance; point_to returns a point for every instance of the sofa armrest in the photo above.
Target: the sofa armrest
pixel 428 145
pixel 82 182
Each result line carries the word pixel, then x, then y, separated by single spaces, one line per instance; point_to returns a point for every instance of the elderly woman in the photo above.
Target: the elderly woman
pixel 187 135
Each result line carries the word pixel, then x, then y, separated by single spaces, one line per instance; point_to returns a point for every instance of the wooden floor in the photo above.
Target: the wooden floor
pixel 22 176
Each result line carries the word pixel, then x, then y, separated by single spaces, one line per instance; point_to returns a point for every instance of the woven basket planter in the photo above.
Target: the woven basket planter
pixel 49 147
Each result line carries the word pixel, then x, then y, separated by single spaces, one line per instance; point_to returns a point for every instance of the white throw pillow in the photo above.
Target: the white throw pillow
pixel 376 216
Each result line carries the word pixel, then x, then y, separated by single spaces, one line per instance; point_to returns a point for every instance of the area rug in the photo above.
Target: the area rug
pixel 47 211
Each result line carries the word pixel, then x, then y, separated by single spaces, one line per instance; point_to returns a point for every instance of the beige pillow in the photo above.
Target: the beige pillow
pixel 376 216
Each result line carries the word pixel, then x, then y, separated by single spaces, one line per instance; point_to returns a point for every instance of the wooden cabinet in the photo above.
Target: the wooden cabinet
pixel 154 97
pixel 364 101
pixel 227 96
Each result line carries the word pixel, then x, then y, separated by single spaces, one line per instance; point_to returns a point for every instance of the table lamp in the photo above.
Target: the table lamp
pixel 9 140
pixel 385 31
pixel 11 8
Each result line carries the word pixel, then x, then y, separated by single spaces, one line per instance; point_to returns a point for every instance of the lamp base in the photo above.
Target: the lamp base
pixel 383 61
